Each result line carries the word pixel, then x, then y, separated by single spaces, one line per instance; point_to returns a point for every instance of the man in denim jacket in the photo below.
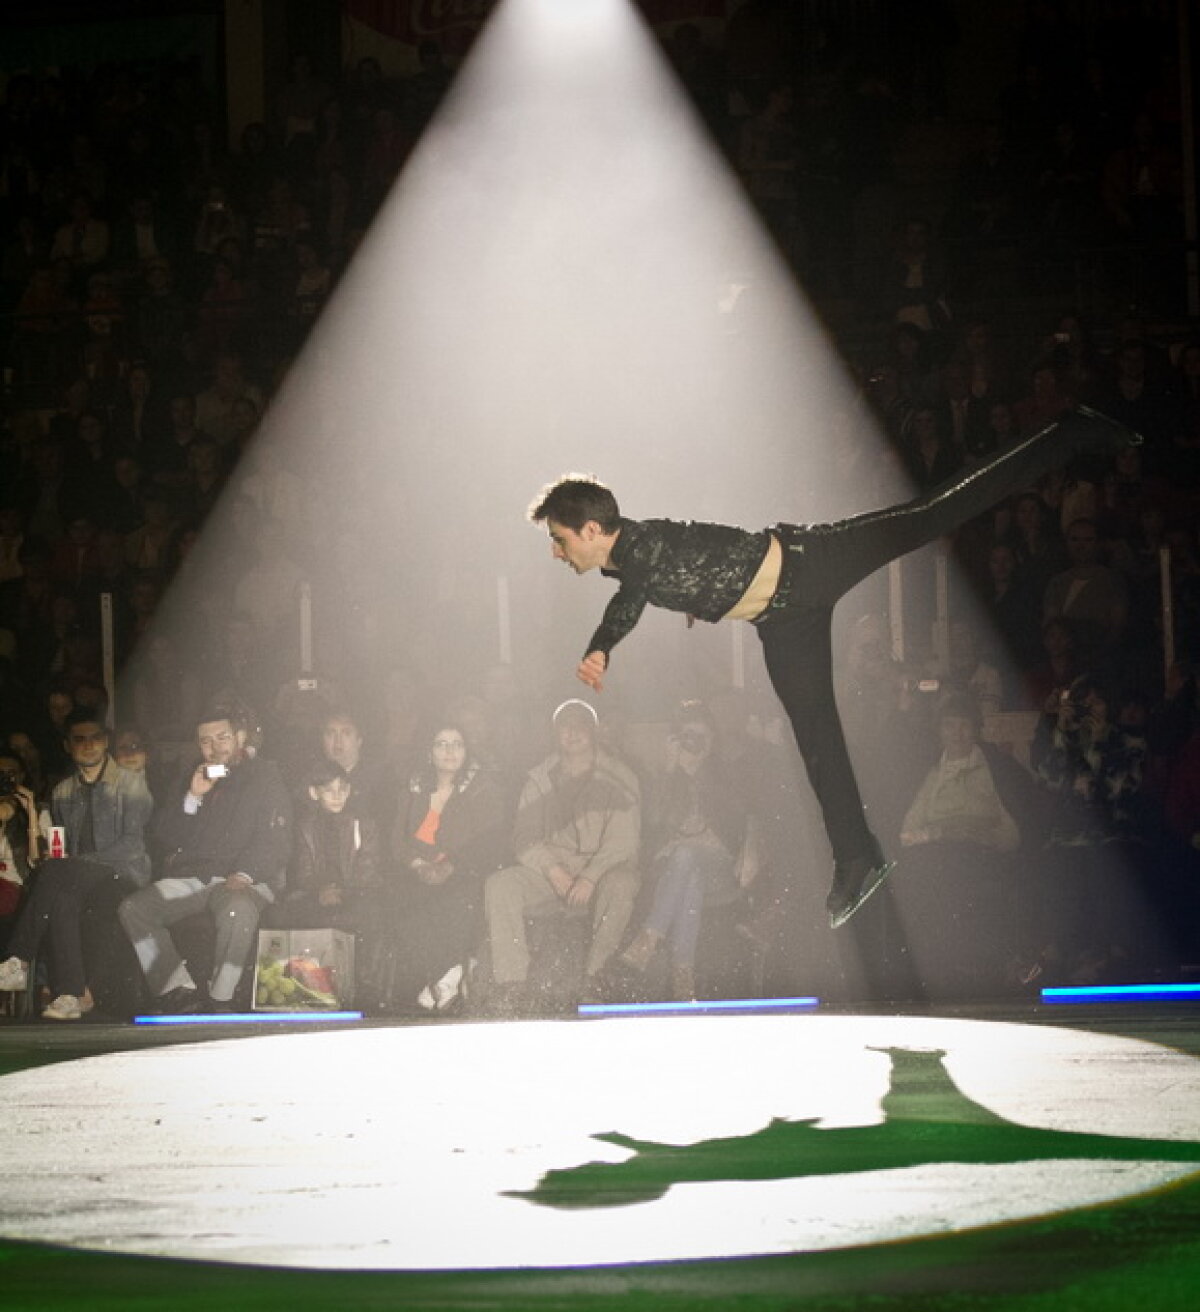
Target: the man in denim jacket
pixel 103 808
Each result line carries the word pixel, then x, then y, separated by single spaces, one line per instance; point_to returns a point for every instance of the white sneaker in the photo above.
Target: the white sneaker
pixel 66 1007
pixel 14 977
pixel 446 989
pixel 425 999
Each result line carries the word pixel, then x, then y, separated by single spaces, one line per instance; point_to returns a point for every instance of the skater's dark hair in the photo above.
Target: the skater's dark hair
pixel 573 501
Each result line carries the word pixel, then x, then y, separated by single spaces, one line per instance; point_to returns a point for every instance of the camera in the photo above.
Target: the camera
pixel 215 771
pixel 9 783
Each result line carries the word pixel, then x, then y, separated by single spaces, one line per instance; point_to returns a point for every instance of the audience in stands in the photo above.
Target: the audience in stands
pixel 156 287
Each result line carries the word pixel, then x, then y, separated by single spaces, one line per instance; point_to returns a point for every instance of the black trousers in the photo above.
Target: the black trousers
pixel 62 890
pixel 822 562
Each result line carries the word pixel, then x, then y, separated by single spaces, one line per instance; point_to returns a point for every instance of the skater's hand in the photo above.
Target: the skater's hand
pixel 591 670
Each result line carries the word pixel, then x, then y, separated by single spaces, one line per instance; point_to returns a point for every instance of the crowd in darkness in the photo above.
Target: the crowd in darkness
pixel 155 285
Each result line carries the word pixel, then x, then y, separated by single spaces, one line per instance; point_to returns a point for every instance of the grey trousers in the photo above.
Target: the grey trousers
pixel 235 912
pixel 516 892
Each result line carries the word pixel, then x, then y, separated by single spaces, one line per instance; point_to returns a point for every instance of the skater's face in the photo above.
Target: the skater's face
pixel 582 549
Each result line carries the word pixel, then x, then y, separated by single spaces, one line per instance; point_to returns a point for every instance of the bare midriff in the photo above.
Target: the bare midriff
pixel 762 587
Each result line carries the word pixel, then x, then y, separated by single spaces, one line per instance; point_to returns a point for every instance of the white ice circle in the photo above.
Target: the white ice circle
pixel 402 1148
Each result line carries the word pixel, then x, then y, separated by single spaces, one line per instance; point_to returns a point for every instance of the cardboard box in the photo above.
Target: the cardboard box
pixel 304 970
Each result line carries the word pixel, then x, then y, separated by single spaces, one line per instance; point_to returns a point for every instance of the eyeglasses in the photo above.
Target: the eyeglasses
pixel 448 744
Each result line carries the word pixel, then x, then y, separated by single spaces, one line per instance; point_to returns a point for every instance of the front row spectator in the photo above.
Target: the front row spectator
pixel 576 840
pixel 705 853
pixel 226 839
pixel 104 809
pixel 334 878
pixel 447 837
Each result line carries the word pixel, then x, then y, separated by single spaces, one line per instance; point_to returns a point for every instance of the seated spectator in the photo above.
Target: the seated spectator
pixel 217 222
pixel 148 546
pixel 342 745
pixel 227 837
pixel 225 309
pixel 929 455
pixel 140 236
pixel 1048 399
pixel 1060 665
pixel 18 836
pixel 206 478
pixel 704 841
pixel 1092 767
pixel 959 800
pixel 1093 596
pixel 576 841
pixel 1014 614
pixel 335 876
pixel 960 837
pixel 83 239
pixel 967 672
pixel 449 835
pixel 313 282
pixel 168 458
pixel 1037 541
pixel 162 317
pixel 104 809
pixel 139 412
pixel 215 405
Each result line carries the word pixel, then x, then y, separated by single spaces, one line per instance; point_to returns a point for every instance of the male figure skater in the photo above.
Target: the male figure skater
pixel 786 580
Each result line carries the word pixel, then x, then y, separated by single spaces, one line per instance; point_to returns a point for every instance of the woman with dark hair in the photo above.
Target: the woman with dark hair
pixel 448 835
pixel 1038 544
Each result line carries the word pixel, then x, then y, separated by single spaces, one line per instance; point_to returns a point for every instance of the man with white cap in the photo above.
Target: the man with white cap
pixel 576 841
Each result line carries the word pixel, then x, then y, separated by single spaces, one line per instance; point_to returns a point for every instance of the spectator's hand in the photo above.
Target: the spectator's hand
pixel 580 892
pixel 330 896
pixel 591 670
pixel 201 784
pixel 430 872
pixel 238 881
pixel 562 881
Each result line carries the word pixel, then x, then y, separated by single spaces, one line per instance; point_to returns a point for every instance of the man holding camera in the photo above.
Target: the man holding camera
pixel 227 840
pixel 102 809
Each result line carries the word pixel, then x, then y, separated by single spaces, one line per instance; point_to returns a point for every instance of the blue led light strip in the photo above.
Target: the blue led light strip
pixel 1123 993
pixel 684 1008
pixel 248 1017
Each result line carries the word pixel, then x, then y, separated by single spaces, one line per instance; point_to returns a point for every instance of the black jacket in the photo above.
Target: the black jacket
pixel 340 849
pixel 244 825
pixel 700 569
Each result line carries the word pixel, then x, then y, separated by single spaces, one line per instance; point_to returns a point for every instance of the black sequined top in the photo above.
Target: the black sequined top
pixel 700 569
